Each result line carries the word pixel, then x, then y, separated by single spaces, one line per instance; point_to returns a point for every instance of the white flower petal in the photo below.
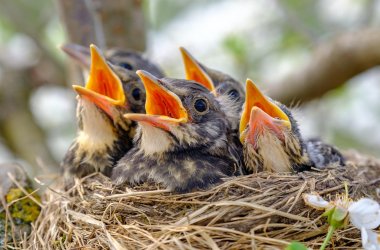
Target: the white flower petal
pixel 316 201
pixel 370 239
pixel 365 213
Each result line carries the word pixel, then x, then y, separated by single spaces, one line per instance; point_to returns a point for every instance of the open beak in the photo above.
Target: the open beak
pixel 103 87
pixel 258 122
pixel 163 107
pixel 259 111
pixel 194 71
pixel 79 53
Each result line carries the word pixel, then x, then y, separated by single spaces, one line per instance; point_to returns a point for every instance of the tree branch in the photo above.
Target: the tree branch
pixel 330 66
pixel 78 22
pixel 122 22
pixel 18 128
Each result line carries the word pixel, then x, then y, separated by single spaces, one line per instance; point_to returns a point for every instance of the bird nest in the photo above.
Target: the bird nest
pixel 263 210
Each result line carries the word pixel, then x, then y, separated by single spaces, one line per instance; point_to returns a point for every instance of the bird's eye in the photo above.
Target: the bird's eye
pixel 201 105
pixel 126 66
pixel 136 94
pixel 234 94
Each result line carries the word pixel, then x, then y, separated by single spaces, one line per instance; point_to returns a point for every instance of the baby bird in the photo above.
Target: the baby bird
pixel 181 140
pixel 270 135
pixel 271 138
pixel 104 136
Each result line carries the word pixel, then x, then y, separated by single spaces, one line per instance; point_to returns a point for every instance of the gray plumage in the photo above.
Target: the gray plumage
pixel 231 95
pixel 192 155
pixel 323 154
pixel 226 85
pixel 133 60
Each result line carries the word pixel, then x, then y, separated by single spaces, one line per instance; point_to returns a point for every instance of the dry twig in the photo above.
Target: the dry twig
pixel 255 211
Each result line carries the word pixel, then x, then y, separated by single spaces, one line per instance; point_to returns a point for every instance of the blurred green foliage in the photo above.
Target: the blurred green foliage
pixel 168 10
pixel 38 19
pixel 237 46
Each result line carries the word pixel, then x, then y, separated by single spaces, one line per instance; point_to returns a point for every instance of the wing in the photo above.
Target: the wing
pixel 322 154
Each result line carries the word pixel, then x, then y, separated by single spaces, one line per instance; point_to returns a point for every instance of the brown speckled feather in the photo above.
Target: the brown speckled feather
pixel 192 155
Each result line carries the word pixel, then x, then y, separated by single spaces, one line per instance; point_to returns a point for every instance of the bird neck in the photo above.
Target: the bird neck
pixel 180 139
pixel 267 155
pixel 273 155
pixel 153 140
pixel 96 128
pixel 232 109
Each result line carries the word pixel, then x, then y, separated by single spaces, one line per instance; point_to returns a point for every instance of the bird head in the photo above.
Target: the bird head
pixel 104 135
pixel 268 130
pixel 124 64
pixel 217 82
pixel 180 115
pixel 132 61
pixel 103 88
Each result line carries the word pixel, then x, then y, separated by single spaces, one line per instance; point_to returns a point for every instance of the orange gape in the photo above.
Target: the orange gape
pixel 161 102
pixel 163 107
pixel 103 87
pixel 260 121
pixel 102 79
pixel 257 104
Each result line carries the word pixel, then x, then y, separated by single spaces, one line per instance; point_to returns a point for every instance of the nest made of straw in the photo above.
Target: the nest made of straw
pixel 264 210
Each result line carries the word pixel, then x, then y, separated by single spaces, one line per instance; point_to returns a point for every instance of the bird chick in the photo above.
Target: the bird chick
pixel 272 141
pixel 228 90
pixel 104 136
pixel 270 135
pixel 181 141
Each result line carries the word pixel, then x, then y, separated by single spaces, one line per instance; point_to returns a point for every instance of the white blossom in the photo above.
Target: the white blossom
pixel 364 214
pixel 370 239
pixel 316 201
